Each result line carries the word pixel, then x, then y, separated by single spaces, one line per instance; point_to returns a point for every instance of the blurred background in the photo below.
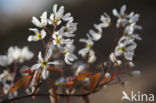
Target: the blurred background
pixel 15 19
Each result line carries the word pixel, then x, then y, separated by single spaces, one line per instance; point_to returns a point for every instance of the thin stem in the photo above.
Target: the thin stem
pixel 15 72
pixel 116 39
pixel 51 39
pixel 47 30
pixel 44 44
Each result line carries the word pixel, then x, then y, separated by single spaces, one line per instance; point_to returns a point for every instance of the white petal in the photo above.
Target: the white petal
pixel 55 8
pixel 44 73
pixel 115 13
pixel 49 54
pixel 60 12
pixel 32 38
pixel 129 55
pixel 69 48
pixel 69 57
pixel 95 36
pixel 51 16
pixel 83 51
pixel 34 30
pixel 68 34
pixel 51 19
pixel 122 10
pixel 54 63
pixel 44 19
pixel 67 17
pixel 36 66
pixel 112 57
pixel 67 60
pixel 98 28
pixel 67 41
pixel 92 59
pixel 43 34
pixel 40 56
pixel 35 21
pixel 83 40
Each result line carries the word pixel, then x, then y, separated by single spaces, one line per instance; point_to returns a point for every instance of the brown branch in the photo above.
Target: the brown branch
pixel 47 94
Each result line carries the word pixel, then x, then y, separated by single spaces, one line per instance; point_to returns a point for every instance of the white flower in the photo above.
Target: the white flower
pixel 88 48
pixel 43 22
pixel 56 16
pixel 133 18
pixel 106 20
pixel 69 29
pixel 78 67
pixel 59 40
pixel 14 53
pixel 67 17
pixel 25 54
pixel 95 35
pixel 92 57
pixel 19 55
pixel 38 35
pixel 44 63
pixel 129 31
pixel 113 58
pixel 5 60
pixel 126 46
pixel 68 53
pixel 5 76
pixel 121 16
pixel 6 91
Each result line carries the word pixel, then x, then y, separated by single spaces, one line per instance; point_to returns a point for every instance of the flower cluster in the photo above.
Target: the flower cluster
pixel 87 74
pixel 126 44
pixel 94 36
pixel 15 55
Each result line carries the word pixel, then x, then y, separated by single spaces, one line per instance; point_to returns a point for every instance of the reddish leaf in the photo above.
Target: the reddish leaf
pixel 52 92
pixel 18 84
pixel 83 76
pixel 27 81
pixel 54 69
pixel 94 81
pixel 69 84
pixel 86 99
pixel 27 71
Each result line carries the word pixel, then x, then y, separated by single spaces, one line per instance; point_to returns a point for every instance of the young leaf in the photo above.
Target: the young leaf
pixel 27 71
pixel 69 84
pixel 54 69
pixel 27 81
pixel 18 84
pixel 83 76
pixel 94 81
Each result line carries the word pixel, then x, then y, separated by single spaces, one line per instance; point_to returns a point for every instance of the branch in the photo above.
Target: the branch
pixel 47 94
